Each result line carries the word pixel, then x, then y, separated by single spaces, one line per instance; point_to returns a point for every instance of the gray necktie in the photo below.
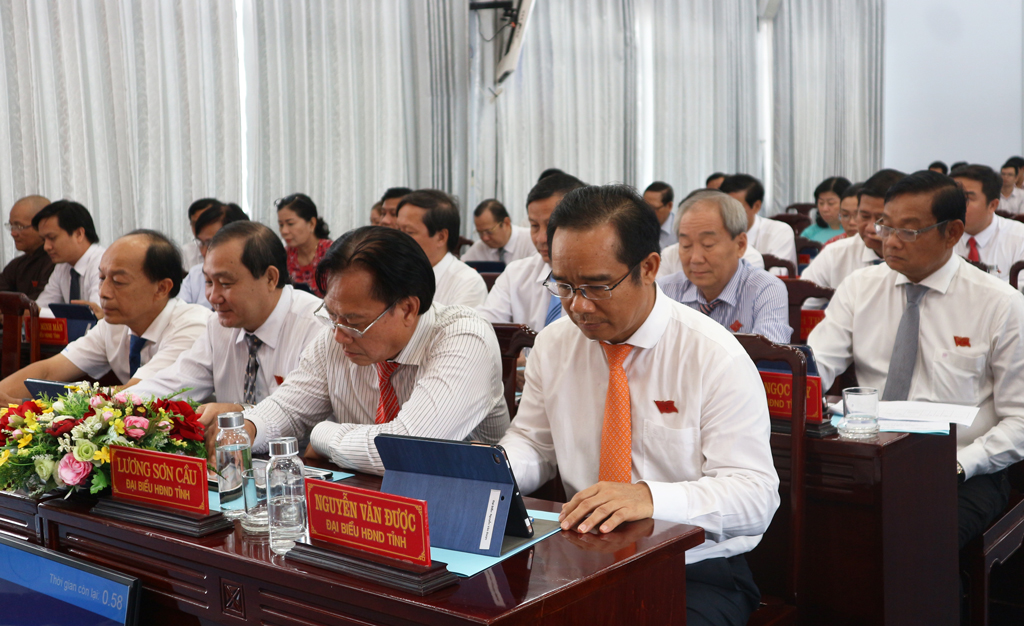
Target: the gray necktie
pixel 501 255
pixel 904 352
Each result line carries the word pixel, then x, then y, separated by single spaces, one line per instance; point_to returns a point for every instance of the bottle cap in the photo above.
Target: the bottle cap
pixel 283 446
pixel 230 420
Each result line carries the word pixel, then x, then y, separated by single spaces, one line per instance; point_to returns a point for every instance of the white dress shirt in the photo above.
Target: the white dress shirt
pixel 105 347
pixel 669 233
pixel 58 288
pixel 193 287
pixel 670 263
pixel 190 255
pixel 214 367
pixel 458 283
pixel 448 386
pixel 999 246
pixel 773 237
pixel 838 260
pixel 706 456
pixel 519 295
pixel 518 246
pixel 969 352
pixel 1014 204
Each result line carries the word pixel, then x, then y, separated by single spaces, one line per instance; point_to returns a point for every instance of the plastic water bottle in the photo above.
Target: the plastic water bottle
pixel 286 495
pixel 234 455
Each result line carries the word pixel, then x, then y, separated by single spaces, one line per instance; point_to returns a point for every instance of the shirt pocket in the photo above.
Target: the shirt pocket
pixel 958 377
pixel 671 454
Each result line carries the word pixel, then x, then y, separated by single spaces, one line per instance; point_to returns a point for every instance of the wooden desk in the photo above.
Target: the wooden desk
pixel 635 575
pixel 881 531
pixel 19 517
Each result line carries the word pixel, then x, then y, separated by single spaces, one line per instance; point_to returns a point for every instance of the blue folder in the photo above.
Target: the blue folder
pixel 80 318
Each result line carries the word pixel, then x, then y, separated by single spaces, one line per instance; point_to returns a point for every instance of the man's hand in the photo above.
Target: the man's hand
pixel 6 399
pixel 208 418
pixel 96 310
pixel 312 455
pixel 610 503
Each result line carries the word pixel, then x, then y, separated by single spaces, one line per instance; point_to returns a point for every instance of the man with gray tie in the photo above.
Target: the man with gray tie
pixel 928 326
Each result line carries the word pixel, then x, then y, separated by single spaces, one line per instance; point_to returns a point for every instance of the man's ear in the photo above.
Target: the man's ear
pixel 408 309
pixel 272 276
pixel 954 231
pixel 649 268
pixel 756 206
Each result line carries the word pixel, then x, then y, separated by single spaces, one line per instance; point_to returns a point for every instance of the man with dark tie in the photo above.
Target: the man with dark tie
pixel 70 238
pixel 144 327
pixel 645 406
pixel 928 326
pixel 500 241
pixel 29 272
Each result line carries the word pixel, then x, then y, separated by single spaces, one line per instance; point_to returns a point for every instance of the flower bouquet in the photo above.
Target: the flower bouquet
pixel 51 443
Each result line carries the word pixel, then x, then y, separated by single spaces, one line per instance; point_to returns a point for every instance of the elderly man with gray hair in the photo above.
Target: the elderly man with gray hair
pixel 716 279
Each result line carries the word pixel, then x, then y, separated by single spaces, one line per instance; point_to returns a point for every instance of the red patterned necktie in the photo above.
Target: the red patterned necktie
pixel 973 255
pixel 388 407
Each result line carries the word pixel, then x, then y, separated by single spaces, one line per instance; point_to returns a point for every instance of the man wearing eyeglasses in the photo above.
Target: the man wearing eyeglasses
pixel 929 326
pixel 262 325
pixel 500 241
pixel 210 221
pixel 645 406
pixel 29 272
pixel 393 362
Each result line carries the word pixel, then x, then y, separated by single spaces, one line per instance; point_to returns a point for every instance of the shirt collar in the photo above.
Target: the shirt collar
pixel 415 352
pixel 752 231
pixel 156 328
pixel 442 265
pixel 270 330
pixel 544 274
pixel 651 331
pixel 938 280
pixel 82 266
pixel 984 237
pixel 867 255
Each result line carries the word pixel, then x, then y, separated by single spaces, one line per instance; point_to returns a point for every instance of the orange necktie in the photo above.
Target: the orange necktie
pixel 617 431
pixel 973 255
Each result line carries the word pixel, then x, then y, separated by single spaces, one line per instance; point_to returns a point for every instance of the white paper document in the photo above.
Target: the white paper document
pixel 935 412
pixel 906 426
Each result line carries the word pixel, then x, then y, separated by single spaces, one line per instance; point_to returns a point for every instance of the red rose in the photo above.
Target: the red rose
pixel 188 428
pixel 63 427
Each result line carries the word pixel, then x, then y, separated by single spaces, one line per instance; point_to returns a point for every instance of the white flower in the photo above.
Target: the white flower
pixel 58 406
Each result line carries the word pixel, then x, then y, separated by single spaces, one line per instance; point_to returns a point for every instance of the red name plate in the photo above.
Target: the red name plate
pixel 778 386
pixel 379 523
pixel 808 320
pixel 52 331
pixel 160 478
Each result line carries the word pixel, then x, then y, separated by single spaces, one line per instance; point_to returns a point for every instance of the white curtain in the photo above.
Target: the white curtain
pixel 125 106
pixel 828 94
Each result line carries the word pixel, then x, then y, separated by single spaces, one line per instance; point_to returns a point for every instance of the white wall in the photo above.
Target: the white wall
pixel 953 82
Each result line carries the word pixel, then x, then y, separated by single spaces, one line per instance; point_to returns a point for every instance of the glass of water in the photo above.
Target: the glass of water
pixel 254 488
pixel 860 413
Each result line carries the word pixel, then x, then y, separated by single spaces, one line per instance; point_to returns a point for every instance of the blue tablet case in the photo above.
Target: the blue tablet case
pixel 80 318
pixel 468 489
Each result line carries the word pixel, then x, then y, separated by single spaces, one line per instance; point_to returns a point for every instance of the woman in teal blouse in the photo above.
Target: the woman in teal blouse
pixel 827 196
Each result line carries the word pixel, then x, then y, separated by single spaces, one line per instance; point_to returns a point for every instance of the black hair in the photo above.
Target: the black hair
pixel 991 182
pixel 399 266
pixel 551 185
pixel 222 213
pixel 70 217
pixel 744 182
pixel 940 165
pixel 305 208
pixel 201 205
pixel 551 171
pixel 1015 162
pixel 262 250
pixel 957 164
pixel 667 195
pixel 618 205
pixel 395 192
pixel 837 185
pixel 948 200
pixel 442 213
pixel 852 191
pixel 497 209
pixel 878 184
pixel 707 181
pixel 163 259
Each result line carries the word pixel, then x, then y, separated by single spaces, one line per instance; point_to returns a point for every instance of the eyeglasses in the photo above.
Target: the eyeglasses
pixel 15 228
pixel 355 333
pixel 488 231
pixel 905 234
pixel 566 291
pixel 203 245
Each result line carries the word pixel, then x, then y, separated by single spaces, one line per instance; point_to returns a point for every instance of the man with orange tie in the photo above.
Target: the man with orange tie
pixel 390 360
pixel 646 407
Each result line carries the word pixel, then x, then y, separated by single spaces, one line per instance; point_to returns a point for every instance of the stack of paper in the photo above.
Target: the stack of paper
pixel 918 417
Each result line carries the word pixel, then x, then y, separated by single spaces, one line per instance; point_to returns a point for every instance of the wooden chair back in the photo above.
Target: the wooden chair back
pixel 1015 269
pixel 799 291
pixel 803 208
pixel 771 261
pixel 489 278
pixel 463 242
pixel 13 306
pixel 512 338
pixel 978 264
pixel 798 222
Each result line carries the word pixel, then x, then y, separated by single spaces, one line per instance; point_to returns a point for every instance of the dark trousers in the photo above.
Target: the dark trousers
pixel 979 501
pixel 720 592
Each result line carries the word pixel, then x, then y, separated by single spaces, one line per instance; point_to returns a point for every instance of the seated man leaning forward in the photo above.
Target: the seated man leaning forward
pixel 144 327
pixel 396 362
pixel 716 280
pixel 646 407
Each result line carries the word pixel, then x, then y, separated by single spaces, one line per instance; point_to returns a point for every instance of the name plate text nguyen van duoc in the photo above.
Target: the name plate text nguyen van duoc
pixel 161 479
pixel 778 386
pixel 379 523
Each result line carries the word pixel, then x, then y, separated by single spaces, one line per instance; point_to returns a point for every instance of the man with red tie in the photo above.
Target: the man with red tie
pixel 988 238
pixel 646 407
pixel 389 361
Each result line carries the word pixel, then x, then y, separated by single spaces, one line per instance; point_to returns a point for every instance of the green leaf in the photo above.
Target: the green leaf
pixel 99 481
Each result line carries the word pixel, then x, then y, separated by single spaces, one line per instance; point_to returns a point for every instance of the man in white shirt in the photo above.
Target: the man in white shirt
pixel 1011 197
pixel 261 327
pixel 500 241
pixel 395 362
pixel 988 238
pixel 646 407
pixel 70 238
pixel 929 326
pixel 518 295
pixel 767 236
pixel 431 217
pixel 659 197
pixel 144 327
pixel 193 286
pixel 190 253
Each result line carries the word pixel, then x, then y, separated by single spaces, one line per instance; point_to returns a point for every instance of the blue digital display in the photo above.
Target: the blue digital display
pixel 38 590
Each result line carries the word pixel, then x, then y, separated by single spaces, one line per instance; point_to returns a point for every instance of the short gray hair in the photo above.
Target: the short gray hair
pixel 733 214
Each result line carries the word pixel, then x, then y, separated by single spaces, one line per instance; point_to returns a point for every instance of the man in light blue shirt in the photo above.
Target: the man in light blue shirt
pixel 716 280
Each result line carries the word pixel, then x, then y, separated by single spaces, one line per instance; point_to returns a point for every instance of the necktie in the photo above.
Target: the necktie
pixel 617 431
pixel 135 345
pixel 387 408
pixel 973 255
pixel 707 307
pixel 878 261
pixel 554 310
pixel 252 367
pixel 904 351
pixel 75 293
pixel 501 254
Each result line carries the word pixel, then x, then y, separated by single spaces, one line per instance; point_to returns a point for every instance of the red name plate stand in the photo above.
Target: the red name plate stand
pixel 52 331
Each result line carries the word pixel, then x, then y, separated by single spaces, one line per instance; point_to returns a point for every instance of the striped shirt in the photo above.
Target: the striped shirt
pixel 753 301
pixel 448 386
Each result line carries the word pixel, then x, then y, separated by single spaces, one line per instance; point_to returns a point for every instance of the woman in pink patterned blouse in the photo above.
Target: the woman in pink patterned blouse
pixel 305 237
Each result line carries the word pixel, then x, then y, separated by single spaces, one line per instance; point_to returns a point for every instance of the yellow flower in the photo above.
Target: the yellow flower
pixel 30 422
pixel 24 441
pixel 103 455
pixel 29 415
pixel 3 457
pixel 119 426
pixel 118 413
pixel 176 442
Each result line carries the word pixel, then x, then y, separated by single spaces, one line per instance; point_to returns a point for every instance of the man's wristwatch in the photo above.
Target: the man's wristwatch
pixel 960 476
